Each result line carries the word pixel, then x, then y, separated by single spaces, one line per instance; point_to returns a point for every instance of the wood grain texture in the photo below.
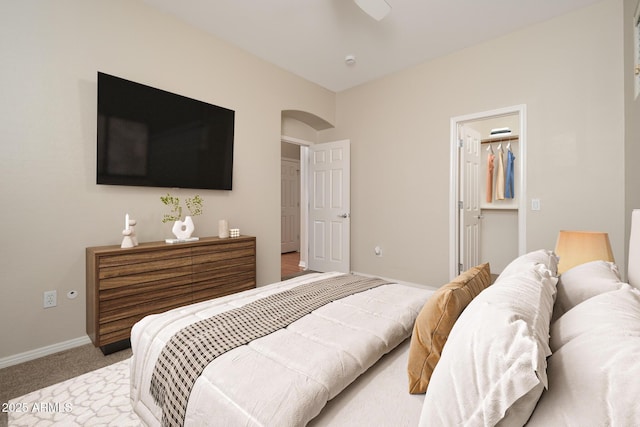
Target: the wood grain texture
pixel 124 285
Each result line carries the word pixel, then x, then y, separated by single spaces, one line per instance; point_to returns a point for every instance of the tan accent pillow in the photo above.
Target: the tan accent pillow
pixel 435 321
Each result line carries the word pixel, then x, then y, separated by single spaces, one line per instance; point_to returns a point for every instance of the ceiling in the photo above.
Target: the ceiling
pixel 311 38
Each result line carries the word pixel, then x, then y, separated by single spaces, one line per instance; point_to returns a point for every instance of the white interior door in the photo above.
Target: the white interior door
pixel 290 205
pixel 329 206
pixel 470 216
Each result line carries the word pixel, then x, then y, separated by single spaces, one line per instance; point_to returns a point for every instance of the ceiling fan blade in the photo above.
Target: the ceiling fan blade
pixel 377 9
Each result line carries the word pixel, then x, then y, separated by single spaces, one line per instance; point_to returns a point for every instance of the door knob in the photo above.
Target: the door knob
pixel 344 215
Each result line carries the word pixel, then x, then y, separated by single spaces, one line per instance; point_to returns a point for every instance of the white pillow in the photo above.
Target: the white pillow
pixel 584 281
pixel 523 262
pixel 593 374
pixel 597 315
pixel 493 366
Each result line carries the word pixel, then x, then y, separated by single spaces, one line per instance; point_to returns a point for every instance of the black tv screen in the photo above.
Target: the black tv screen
pixel 151 137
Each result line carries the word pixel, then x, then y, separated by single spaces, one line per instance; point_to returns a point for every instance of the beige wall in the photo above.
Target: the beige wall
pixel 293 128
pixel 53 208
pixel 568 72
pixel 632 117
pixel 298 131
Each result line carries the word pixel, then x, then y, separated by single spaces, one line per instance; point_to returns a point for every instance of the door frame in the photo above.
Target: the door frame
pixel 296 163
pixel 454 187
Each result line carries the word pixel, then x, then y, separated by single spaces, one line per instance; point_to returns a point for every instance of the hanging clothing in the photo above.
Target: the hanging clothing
pixel 490 158
pixel 509 192
pixel 500 176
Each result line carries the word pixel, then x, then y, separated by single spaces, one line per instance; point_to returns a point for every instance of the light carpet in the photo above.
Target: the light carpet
pixel 98 398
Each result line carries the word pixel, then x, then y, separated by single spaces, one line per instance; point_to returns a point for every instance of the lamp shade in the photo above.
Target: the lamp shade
pixel 578 247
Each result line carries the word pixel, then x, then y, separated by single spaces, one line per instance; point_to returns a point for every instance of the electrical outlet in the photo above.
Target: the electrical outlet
pixel 50 299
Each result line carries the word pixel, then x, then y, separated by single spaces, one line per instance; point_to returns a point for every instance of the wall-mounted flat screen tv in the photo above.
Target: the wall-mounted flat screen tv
pixel 151 137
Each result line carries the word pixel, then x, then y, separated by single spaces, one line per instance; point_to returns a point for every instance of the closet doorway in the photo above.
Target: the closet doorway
pixel 487 214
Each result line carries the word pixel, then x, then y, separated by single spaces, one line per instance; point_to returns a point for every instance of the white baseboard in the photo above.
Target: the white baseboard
pixel 43 351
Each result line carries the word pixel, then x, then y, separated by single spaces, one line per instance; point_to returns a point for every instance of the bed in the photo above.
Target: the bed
pixel 285 377
pixel 528 348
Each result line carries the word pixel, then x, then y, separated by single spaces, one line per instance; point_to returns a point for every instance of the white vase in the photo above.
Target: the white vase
pixel 183 229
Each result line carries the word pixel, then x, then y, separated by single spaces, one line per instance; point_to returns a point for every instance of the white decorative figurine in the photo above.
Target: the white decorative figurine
pixel 134 237
pixel 128 241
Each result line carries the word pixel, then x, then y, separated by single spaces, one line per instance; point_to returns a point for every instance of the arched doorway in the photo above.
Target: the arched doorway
pixel 299 130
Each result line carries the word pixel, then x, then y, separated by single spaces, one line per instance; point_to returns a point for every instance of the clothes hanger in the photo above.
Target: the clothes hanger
pixel 509 146
pixel 490 148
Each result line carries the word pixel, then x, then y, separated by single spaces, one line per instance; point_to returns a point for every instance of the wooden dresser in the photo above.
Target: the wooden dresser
pixel 124 285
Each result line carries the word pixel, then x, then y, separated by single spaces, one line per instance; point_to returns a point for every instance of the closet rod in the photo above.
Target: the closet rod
pixel 506 138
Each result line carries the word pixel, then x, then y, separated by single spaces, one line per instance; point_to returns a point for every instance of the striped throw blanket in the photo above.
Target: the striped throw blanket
pixel 190 350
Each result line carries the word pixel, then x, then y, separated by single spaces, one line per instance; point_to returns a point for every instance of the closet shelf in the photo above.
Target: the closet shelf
pixel 499 208
pixel 502 139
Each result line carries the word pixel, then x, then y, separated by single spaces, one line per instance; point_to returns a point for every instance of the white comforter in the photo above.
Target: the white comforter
pixel 285 378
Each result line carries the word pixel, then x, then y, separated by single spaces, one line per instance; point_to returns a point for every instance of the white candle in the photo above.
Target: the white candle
pixel 126 222
pixel 223 229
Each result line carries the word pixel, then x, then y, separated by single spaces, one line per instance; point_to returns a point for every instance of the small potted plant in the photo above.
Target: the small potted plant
pixel 181 229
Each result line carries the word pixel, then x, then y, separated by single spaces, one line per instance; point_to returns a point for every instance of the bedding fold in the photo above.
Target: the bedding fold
pixel 190 350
